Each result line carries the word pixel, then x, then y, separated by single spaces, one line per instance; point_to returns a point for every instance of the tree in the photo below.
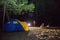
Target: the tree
pixel 16 6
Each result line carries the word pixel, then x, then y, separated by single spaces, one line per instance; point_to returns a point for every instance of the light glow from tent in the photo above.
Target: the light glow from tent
pixel 29 24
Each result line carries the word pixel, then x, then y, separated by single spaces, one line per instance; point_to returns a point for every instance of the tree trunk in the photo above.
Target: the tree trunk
pixel 4 15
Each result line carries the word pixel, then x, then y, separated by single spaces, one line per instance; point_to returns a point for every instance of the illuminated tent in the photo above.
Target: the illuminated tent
pixel 15 25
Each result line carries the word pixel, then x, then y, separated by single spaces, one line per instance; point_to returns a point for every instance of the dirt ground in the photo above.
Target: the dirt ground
pixel 35 33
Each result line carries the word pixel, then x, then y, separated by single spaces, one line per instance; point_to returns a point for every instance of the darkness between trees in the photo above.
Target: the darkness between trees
pixel 46 10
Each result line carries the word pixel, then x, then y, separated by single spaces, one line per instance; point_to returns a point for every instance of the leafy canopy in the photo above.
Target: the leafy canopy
pixel 17 6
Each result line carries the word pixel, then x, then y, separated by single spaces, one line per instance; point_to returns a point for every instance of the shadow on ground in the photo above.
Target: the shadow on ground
pixel 13 36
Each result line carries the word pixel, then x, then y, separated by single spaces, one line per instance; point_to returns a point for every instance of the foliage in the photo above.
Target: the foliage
pixel 17 6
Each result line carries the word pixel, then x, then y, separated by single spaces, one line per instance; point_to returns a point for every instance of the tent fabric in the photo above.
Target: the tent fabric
pixel 24 25
pixel 13 25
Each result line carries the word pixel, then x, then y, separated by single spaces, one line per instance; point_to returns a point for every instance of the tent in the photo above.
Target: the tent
pixel 15 25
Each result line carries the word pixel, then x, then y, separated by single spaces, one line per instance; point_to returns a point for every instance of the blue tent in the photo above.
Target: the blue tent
pixel 13 25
